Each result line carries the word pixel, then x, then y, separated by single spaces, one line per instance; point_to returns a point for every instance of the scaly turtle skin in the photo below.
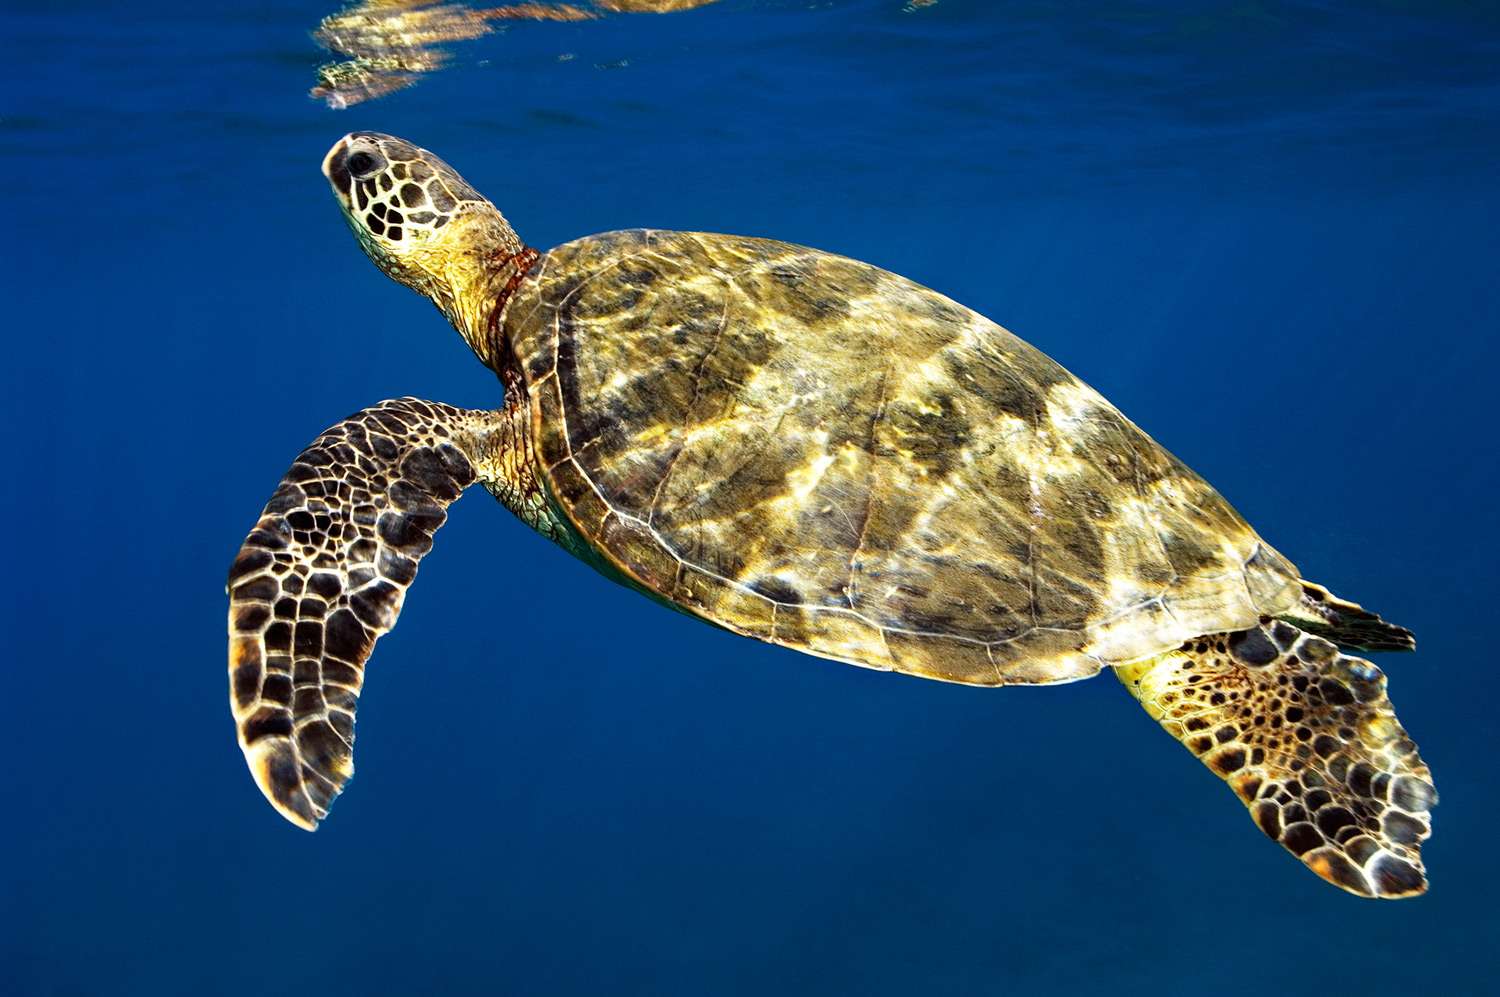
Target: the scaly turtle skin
pixel 823 455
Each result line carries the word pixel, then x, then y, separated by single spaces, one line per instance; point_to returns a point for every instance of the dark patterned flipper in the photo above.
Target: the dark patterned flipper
pixel 323 575
pixel 1346 623
pixel 1307 739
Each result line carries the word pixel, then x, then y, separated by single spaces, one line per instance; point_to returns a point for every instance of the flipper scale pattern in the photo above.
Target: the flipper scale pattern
pixel 321 576
pixel 1309 742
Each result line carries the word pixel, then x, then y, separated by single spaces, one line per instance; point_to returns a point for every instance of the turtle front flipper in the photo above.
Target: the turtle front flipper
pixel 323 575
pixel 1307 739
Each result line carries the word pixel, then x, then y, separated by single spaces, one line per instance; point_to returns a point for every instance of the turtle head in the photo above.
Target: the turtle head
pixel 423 225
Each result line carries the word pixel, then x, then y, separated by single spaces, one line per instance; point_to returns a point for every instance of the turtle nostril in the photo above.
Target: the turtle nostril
pixel 363 164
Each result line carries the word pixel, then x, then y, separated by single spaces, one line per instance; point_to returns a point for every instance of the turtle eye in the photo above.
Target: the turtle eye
pixel 363 164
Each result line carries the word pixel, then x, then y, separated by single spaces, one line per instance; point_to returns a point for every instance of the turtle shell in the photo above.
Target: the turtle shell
pixel 821 454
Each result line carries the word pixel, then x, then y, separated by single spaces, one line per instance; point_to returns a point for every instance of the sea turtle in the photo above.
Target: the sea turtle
pixel 812 451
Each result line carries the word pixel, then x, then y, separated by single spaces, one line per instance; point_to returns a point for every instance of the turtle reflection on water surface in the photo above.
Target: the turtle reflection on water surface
pixel 389 44
pixel 808 450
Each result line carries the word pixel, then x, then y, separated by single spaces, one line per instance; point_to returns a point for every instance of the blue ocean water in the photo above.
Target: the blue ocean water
pixel 1267 231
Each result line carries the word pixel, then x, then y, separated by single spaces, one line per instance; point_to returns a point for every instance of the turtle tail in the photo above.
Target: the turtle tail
pixel 1346 623
pixel 1307 739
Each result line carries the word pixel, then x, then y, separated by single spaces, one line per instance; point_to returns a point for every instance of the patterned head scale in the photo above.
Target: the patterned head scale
pixel 404 204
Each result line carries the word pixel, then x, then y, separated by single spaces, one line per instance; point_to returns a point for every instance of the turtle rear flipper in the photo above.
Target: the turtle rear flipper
pixel 323 575
pixel 1307 739
pixel 1346 623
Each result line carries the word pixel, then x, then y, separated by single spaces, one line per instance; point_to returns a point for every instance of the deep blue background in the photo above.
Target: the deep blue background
pixel 1266 232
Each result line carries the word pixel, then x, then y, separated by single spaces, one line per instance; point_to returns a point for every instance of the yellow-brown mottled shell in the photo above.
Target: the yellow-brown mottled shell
pixel 824 455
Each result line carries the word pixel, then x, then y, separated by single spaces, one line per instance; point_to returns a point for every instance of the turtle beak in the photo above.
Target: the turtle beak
pixel 335 165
